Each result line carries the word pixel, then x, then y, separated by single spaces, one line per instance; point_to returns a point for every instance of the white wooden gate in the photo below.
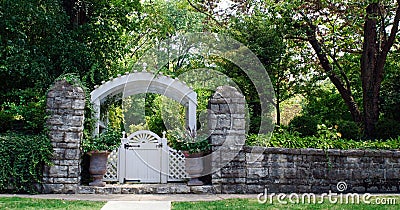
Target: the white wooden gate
pixel 143 157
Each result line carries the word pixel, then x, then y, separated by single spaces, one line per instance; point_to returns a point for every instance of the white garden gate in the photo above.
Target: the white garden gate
pixel 143 157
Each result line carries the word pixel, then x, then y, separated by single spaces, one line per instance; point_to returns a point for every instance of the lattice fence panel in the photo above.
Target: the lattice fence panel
pixel 176 166
pixel 111 174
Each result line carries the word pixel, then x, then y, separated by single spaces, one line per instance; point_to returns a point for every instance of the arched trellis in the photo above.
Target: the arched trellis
pixel 147 82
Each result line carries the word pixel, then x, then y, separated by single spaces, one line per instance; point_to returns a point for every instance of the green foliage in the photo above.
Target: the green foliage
pixel 294 140
pixel 325 103
pixel 106 141
pixel 26 113
pixel 387 128
pixel 154 118
pixel 390 91
pixel 186 140
pixel 305 125
pixel 22 159
pixel 349 129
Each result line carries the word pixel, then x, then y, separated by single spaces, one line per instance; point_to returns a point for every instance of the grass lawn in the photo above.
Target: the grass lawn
pixel 29 203
pixel 253 204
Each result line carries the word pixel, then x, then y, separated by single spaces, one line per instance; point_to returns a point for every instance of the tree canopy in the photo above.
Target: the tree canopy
pixel 340 57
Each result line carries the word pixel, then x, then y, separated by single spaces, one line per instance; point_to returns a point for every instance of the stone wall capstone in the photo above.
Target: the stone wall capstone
pixel 65 104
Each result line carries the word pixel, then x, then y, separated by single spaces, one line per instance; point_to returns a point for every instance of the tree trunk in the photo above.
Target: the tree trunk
pixel 77 13
pixel 371 70
pixel 278 110
pixel 335 79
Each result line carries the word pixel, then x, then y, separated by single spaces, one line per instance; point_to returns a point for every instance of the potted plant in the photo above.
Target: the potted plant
pixel 98 148
pixel 193 147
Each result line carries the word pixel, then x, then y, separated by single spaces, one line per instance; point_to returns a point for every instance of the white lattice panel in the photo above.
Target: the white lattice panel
pixel 111 174
pixel 176 166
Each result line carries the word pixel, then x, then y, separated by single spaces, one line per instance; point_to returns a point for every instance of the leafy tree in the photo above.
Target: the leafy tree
pixel 335 29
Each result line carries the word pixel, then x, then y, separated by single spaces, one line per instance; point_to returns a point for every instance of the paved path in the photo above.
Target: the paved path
pixel 137 205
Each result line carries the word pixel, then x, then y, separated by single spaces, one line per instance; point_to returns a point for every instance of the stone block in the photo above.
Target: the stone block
pixel 79 113
pixel 223 122
pixel 163 190
pixel 53 188
pixel 181 189
pixel 205 189
pixel 75 145
pixel 63 103
pixel 56 136
pixel 319 174
pixel 85 190
pixel 58 171
pixel 76 121
pixel 73 170
pixel 72 154
pixel 257 172
pixel 78 104
pixel 233 189
pixel 116 190
pixel 225 108
pixel 255 189
pixel 217 140
pixel 312 152
pixel 393 173
pixel 290 173
pixel 72 137
pixel 353 153
pixel 66 180
pixel 239 124
pixel 53 94
pixel 56 120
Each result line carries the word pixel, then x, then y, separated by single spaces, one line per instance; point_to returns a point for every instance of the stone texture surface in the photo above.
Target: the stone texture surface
pixel 66 104
pixel 310 170
pixel 227 124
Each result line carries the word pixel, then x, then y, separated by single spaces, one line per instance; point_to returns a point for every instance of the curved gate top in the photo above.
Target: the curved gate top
pixel 147 82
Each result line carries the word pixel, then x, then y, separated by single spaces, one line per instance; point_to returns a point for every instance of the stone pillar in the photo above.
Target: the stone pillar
pixel 227 124
pixel 65 104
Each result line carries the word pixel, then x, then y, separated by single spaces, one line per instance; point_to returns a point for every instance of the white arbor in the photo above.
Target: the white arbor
pixel 147 82
pixel 144 164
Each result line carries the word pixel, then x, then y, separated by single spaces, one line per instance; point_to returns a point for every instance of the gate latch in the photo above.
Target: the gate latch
pixel 128 146
pixel 159 145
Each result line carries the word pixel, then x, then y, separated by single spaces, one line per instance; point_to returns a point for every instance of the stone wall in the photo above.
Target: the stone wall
pixel 65 104
pixel 241 169
pixel 311 170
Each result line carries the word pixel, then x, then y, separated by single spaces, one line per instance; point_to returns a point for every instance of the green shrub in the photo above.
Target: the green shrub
pixel 293 140
pixel 387 128
pixel 6 119
pixel 305 125
pixel 22 159
pixel 349 129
